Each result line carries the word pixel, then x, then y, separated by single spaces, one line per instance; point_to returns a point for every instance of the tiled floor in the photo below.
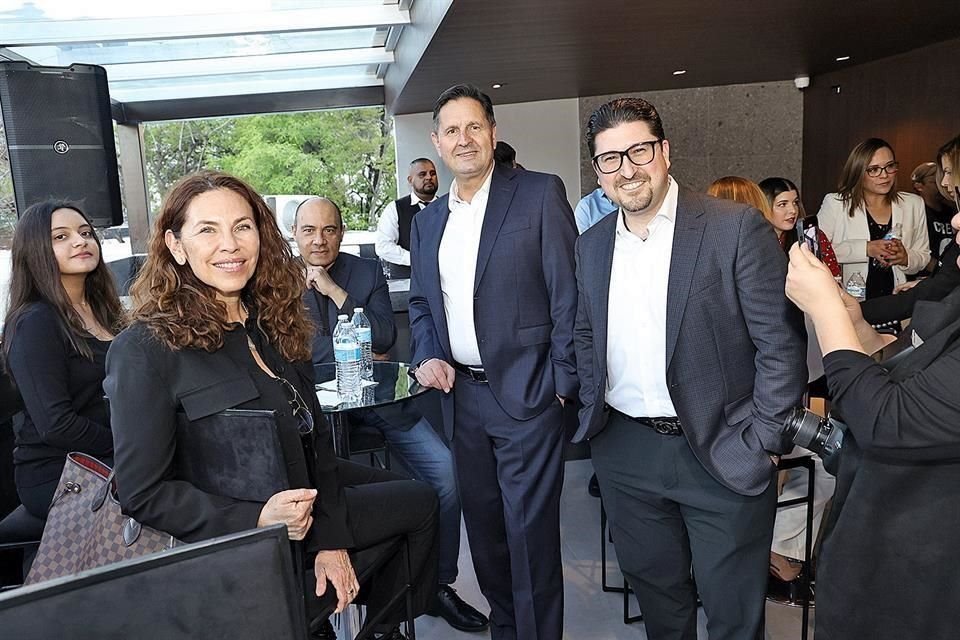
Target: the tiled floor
pixel 590 614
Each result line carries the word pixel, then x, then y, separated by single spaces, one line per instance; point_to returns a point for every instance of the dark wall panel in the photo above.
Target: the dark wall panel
pixel 910 100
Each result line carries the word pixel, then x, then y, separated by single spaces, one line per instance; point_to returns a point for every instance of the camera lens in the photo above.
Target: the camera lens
pixel 805 427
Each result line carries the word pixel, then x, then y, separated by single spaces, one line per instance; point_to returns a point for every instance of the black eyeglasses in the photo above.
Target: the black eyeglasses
pixel 639 154
pixel 298 407
pixel 890 169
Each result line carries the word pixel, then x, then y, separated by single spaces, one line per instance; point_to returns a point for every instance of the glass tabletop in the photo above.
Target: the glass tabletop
pixel 391 383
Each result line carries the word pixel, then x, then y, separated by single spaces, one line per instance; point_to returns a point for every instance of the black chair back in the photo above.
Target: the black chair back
pixel 239 586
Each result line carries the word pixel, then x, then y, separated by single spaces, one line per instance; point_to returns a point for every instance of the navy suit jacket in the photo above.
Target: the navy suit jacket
pixel 736 347
pixel 525 295
pixel 366 286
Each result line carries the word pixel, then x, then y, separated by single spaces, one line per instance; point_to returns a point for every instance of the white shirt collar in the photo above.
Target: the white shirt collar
pixel 414 200
pixel 484 190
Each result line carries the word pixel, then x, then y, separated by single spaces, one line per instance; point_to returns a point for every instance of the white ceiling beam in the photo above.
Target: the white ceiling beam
pixel 247 64
pixel 55 32
pixel 137 92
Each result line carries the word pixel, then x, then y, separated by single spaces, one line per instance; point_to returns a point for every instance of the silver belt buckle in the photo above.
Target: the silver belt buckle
pixel 665 428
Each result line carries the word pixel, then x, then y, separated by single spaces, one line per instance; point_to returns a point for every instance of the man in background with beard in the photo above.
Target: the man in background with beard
pixel 393 230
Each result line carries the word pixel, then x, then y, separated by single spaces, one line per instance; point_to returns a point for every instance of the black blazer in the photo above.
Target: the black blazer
pixel 888 565
pixel 147 384
pixel 62 395
pixel 735 354
pixel 366 286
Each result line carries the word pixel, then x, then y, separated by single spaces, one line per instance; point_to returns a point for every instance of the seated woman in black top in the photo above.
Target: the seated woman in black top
pixel 218 323
pixel 64 311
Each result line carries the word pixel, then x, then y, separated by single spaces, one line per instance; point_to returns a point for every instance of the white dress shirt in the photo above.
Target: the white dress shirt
pixel 388 232
pixel 458 269
pixel 637 316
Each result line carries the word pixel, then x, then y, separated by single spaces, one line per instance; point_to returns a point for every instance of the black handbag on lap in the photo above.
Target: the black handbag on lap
pixel 234 453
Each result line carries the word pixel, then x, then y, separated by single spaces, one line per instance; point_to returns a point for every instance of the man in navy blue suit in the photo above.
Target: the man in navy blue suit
pixel 336 283
pixel 492 307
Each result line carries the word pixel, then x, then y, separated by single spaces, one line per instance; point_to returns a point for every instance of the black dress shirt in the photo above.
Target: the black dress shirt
pixel 62 394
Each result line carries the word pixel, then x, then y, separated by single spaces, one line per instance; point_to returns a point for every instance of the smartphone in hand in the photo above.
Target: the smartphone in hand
pixel 808 236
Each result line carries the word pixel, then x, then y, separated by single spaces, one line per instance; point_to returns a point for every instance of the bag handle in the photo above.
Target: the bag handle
pixel 108 488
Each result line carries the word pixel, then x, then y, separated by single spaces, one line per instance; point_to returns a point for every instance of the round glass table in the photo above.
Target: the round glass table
pixel 391 384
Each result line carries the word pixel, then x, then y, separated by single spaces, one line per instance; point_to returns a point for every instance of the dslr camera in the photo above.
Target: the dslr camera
pixel 822 436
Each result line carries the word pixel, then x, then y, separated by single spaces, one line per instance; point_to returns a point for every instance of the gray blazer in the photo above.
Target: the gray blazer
pixel 735 355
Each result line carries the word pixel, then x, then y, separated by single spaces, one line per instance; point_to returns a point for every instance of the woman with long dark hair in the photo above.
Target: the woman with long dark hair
pixel 63 312
pixel 218 323
pixel 785 208
pixel 876 231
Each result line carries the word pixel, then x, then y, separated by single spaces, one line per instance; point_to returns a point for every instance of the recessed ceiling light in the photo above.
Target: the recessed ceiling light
pixel 679 72
pixel 496 85
pixel 843 58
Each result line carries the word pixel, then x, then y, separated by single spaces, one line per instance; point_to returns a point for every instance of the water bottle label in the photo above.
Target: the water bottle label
pixel 364 334
pixel 347 352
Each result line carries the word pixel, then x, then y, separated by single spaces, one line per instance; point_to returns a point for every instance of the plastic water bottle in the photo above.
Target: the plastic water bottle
pixel 364 336
pixel 346 351
pixel 895 233
pixel 857 286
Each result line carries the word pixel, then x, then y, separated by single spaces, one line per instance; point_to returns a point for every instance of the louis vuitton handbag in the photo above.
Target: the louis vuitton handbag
pixel 85 528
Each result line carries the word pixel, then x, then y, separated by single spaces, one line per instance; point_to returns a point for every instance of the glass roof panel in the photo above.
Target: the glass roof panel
pixel 119 52
pixel 52 10
pixel 244 84
pixel 185 48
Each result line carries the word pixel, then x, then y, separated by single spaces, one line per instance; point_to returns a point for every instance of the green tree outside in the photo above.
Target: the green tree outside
pixel 8 204
pixel 346 155
pixel 175 149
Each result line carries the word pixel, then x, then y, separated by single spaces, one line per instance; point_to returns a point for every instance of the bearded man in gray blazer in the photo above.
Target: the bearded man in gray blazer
pixel 690 357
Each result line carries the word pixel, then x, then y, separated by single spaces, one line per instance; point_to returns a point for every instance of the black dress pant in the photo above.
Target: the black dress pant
pixel 667 513
pixel 382 505
pixel 37 498
pixel 510 473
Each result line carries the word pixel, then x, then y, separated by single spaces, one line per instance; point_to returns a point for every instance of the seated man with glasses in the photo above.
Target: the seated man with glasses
pixel 336 283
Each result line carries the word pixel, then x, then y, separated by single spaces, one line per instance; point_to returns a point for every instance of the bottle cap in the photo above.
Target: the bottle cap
pixel 342 316
pixel 358 309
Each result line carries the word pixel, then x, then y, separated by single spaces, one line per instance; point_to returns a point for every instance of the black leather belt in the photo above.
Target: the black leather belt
pixel 477 374
pixel 664 426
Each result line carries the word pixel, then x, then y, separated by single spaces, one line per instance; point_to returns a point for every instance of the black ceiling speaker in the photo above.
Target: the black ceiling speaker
pixel 60 137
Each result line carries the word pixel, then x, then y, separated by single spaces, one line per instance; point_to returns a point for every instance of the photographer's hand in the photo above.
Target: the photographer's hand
pixel 870 340
pixel 811 286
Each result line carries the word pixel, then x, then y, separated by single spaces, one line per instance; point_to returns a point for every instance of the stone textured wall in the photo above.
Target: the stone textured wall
pixel 750 130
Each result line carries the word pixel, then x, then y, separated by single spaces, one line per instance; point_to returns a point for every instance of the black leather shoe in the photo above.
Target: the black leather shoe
pixel 790 593
pixel 393 634
pixel 324 632
pixel 458 614
pixel 593 487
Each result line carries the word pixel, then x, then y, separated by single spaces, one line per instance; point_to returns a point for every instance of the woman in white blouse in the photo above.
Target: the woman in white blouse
pixel 876 231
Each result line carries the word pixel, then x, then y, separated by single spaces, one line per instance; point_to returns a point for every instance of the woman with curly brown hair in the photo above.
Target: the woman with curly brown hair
pixel 218 323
